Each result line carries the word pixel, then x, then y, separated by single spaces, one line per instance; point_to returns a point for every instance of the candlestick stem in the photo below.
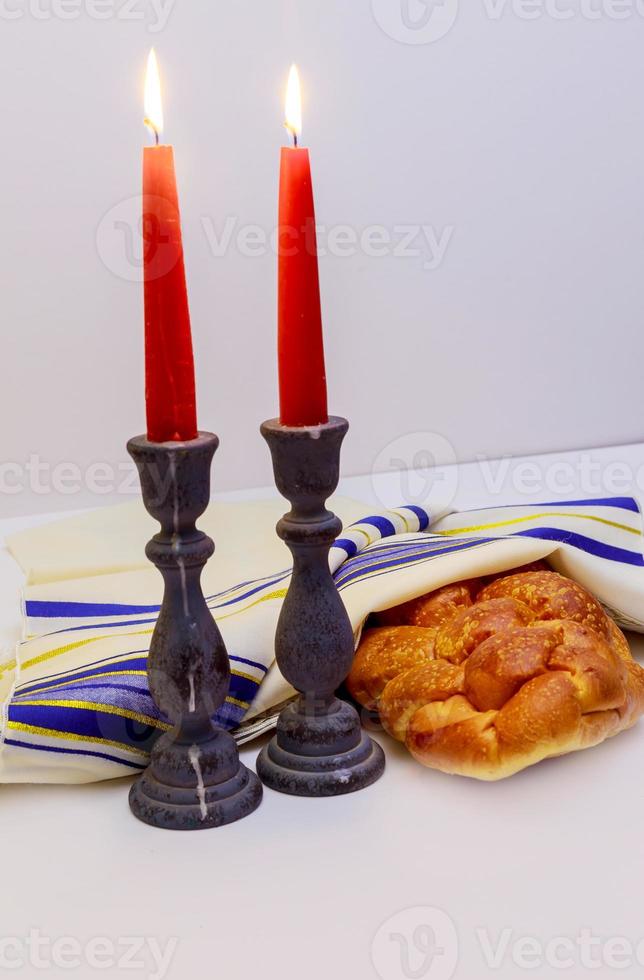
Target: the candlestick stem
pixel 195 779
pixel 320 748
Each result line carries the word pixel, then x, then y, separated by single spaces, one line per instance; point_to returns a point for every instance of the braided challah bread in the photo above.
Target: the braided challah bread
pixel 484 678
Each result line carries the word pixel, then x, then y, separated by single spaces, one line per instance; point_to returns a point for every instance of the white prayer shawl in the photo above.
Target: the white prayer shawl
pixel 74 701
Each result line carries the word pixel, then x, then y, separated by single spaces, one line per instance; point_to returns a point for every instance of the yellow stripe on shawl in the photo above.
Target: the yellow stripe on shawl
pixel 69 647
pixel 80 680
pixel 403 519
pixel 277 594
pixel 536 517
pixel 375 569
pixel 62 674
pixel 108 709
pixel 19 726
pixel 109 673
pixel 240 704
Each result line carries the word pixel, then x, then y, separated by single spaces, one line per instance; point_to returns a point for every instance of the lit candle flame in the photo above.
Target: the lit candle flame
pixel 152 98
pixel 293 121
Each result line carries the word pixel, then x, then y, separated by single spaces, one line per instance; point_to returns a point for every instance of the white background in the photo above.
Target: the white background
pixel 524 136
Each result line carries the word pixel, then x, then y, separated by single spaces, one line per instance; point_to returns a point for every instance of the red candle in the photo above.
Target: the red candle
pixel 169 365
pixel 302 376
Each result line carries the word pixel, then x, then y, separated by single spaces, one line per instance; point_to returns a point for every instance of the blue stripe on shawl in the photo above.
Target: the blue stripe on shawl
pixel 421 514
pixel 39 609
pixel 87 722
pixel 589 545
pixel 266 580
pixel 94 723
pixel 100 626
pixel 82 690
pixel 140 663
pixel 250 663
pixel 229 715
pixel 425 545
pixel 382 524
pixel 345 544
pixel 107 661
pixel 241 688
pixel 403 547
pixel 252 592
pixel 620 503
pixel 64 751
pixel 351 570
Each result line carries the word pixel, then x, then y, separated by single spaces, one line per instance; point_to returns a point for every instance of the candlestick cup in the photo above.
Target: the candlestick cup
pixel 320 748
pixel 195 779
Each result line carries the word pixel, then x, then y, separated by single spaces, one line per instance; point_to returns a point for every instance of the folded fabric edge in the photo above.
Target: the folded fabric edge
pixel 9 674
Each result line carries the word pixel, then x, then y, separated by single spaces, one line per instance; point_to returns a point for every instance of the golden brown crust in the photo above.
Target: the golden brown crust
pixel 551 596
pixel 403 696
pixel 384 653
pixel 432 610
pixel 632 709
pixel 457 739
pixel 599 674
pixel 530 669
pixel 619 642
pixel 456 639
pixel 502 664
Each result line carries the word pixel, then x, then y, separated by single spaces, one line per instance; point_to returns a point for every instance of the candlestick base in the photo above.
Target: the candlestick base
pixel 320 755
pixel 195 785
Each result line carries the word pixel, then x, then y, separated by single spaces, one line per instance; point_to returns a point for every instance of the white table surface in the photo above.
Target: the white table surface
pixel 302 888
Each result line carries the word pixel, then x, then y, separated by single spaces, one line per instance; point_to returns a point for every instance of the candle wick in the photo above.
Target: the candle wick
pixel 295 140
pixel 148 122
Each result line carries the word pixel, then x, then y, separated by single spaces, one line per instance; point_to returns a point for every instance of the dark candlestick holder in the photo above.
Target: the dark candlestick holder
pixel 320 748
pixel 195 779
